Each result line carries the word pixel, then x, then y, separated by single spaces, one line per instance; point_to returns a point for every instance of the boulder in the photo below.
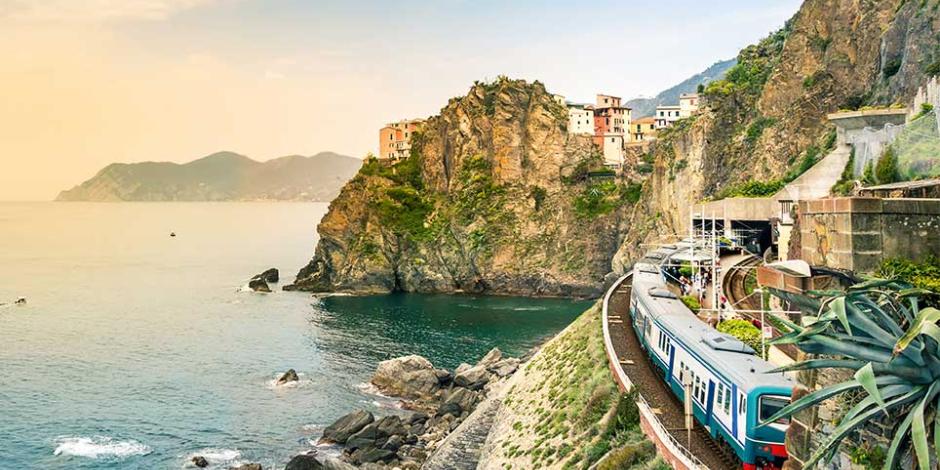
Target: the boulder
pixel 410 377
pixel 340 431
pixel 415 417
pixel 491 358
pixel 474 378
pixel 258 285
pixel 459 401
pixel 200 461
pixel 463 367
pixel 289 376
pixel 504 367
pixel 248 466
pixel 443 376
pixel 372 454
pixel 314 462
pixel 394 443
pixel 270 276
pixel 376 434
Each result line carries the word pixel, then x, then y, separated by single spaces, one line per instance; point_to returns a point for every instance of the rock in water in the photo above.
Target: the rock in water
pixel 346 426
pixel 410 377
pixel 491 358
pixel 289 376
pixel 200 461
pixel 258 285
pixel 20 301
pixel 270 276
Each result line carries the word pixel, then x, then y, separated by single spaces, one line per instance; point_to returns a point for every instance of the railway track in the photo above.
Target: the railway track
pixel 734 288
pixel 649 383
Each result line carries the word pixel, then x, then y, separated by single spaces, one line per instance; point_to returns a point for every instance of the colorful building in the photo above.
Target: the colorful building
pixel 611 121
pixel 395 138
pixel 666 115
pixel 642 130
pixel 688 104
pixel 580 119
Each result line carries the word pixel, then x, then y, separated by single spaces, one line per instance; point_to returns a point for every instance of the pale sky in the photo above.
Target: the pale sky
pixel 84 83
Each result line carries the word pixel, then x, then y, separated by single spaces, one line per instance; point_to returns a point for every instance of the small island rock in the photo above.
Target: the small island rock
pixel 270 276
pixel 200 461
pixel 289 376
pixel 258 285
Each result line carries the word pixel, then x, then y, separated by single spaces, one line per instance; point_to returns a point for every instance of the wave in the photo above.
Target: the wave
pixel 99 446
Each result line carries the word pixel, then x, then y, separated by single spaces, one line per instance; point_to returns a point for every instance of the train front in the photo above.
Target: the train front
pixel 766 449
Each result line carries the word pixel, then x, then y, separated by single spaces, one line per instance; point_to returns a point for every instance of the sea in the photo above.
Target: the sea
pixel 137 349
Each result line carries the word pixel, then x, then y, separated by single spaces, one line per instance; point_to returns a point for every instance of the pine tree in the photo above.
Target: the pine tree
pixel 868 176
pixel 886 171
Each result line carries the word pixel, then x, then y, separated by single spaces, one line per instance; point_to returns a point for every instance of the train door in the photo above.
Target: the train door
pixel 722 408
pixel 710 399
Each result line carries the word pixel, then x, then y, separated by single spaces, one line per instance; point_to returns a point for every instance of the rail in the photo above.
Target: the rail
pixel 662 434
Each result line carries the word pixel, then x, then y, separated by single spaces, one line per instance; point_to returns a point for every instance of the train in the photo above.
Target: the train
pixel 732 388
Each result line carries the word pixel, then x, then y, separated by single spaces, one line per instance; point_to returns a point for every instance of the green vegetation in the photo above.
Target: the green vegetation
pixel 538 195
pixel 923 275
pixel 868 175
pixel 692 302
pixel 886 171
pixel 752 188
pixel 925 109
pixel 755 64
pixel 756 129
pixel 603 197
pixel 892 67
pixel 401 207
pixel 846 182
pixel 878 330
pixel 744 331
pixel 631 192
pixel 870 457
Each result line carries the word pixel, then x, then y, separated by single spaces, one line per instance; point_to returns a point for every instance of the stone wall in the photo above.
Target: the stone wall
pixel 859 233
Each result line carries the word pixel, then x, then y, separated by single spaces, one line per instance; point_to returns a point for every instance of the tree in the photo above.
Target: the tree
pixel 878 330
pixel 868 176
pixel 886 171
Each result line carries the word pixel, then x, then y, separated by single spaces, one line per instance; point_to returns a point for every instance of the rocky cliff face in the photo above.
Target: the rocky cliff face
pixel 495 198
pixel 768 116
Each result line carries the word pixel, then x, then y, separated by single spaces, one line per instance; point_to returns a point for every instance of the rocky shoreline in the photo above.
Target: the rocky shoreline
pixel 437 402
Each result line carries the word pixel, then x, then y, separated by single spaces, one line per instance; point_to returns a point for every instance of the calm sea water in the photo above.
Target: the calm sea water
pixel 138 350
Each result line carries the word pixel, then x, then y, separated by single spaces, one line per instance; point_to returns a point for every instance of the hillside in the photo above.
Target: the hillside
pixel 766 120
pixel 645 107
pixel 223 176
pixel 496 197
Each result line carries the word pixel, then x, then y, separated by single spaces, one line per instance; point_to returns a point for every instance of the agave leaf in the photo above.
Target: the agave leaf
pixel 866 377
pixel 852 350
pixel 825 293
pixel 888 393
pixel 919 436
pixel 870 284
pixel 847 427
pixel 867 324
pixel 927 315
pixel 899 433
pixel 789 338
pixel 819 364
pixel 837 307
pixel 826 393
pixel 936 430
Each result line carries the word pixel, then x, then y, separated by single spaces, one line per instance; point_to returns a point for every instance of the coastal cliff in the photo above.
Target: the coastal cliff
pixel 496 197
pixel 766 120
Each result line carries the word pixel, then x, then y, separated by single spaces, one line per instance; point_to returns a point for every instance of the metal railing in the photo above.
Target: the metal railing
pixel 678 450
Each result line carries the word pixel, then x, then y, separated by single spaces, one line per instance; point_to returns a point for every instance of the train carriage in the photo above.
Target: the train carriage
pixel 732 391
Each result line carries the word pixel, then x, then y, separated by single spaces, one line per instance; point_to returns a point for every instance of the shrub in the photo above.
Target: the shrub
pixel 631 192
pixel 925 108
pixel 744 331
pixel 933 68
pixel 626 417
pixel 685 269
pixel 597 199
pixel 868 175
pixel 538 195
pixel 886 171
pixel 692 302
pixel 752 188
pixel 628 456
pixel 846 182
pixel 756 129
pixel 891 68
pixel 924 275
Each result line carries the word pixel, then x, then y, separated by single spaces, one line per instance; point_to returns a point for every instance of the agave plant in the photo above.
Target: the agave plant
pixel 879 330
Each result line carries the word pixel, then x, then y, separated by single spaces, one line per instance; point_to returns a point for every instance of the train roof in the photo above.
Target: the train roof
pixel 729 356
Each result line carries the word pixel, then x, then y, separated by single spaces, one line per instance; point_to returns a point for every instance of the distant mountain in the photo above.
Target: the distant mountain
pixel 643 107
pixel 222 176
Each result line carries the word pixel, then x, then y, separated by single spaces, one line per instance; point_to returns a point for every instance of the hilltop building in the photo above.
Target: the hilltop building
pixel 688 104
pixel 642 130
pixel 611 121
pixel 395 138
pixel 581 119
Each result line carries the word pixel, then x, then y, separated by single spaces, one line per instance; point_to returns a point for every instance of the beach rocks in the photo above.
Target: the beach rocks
pixel 287 377
pixel 248 466
pixel 439 402
pixel 304 462
pixel 340 431
pixel 200 461
pixel 409 377
pixel 258 285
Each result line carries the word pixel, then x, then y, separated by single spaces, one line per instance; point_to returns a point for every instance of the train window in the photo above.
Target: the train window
pixel 742 405
pixel 770 405
pixel 720 396
pixel 728 402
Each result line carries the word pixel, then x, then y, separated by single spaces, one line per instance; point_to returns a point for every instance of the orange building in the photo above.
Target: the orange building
pixel 395 138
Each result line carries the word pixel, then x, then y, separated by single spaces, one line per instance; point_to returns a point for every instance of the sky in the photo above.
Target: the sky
pixel 84 83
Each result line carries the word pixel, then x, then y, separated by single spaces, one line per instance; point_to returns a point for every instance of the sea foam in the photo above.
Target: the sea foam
pixel 215 456
pixel 99 446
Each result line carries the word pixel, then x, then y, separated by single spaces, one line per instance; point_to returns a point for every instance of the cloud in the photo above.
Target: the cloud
pixel 94 10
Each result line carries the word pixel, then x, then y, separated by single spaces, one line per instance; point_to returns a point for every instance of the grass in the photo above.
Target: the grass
pixel 568 405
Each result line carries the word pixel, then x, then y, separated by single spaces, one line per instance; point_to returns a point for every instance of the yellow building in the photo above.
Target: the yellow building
pixel 642 129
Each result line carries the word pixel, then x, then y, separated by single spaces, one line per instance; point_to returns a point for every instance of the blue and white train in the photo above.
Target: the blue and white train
pixel 732 391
